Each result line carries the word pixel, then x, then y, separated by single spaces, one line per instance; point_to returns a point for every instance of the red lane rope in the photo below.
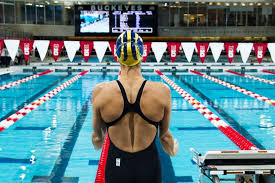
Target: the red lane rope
pixel 236 88
pixel 6 86
pixel 232 134
pixel 252 77
pixel 266 71
pixel 6 123
pixel 100 174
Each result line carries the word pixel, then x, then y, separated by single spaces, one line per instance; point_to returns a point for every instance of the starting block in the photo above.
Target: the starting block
pixel 253 166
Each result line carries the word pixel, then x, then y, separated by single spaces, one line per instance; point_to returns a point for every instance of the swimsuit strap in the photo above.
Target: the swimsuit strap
pixel 129 107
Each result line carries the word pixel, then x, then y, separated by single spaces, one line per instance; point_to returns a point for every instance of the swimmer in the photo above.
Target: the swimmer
pixel 132 110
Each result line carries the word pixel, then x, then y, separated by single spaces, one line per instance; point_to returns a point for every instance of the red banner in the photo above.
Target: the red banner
pixel 230 50
pixel 26 46
pixel 86 49
pixel 113 49
pixel 56 47
pixel 260 49
pixel 1 46
pixel 173 48
pixel 202 50
pixel 146 50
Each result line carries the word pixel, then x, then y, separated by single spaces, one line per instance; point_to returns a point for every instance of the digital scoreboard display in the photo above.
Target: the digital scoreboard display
pixel 115 19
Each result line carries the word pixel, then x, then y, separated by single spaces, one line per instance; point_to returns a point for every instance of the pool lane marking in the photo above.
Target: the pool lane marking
pixel 236 88
pixel 63 159
pixel 252 77
pixel 267 71
pixel 232 134
pixel 6 86
pixel 6 123
pixel 32 98
pixel 232 122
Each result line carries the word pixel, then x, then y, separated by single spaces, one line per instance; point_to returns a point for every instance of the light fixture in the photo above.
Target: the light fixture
pixel 235 4
pixel 243 4
pixel 68 7
pixel 210 3
pixel 259 4
pixel 218 3
pixel 267 3
pixel 55 1
pixel 227 4
pixel 28 4
pixel 165 4
pixel 177 2
pixel 196 2
pixel 251 4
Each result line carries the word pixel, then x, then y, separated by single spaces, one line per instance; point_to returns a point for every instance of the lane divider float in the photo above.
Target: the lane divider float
pixel 266 71
pixel 252 77
pixel 232 134
pixel 236 88
pixel 6 86
pixel 6 123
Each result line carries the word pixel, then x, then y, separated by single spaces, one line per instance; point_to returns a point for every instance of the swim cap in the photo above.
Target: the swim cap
pixel 129 48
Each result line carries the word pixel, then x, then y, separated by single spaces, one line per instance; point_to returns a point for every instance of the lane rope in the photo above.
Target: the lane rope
pixel 6 123
pixel 6 86
pixel 266 71
pixel 233 135
pixel 252 77
pixel 236 88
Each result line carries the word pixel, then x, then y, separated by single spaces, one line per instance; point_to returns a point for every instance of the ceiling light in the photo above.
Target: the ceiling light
pixel 251 4
pixel 218 3
pixel 28 4
pixel 55 1
pixel 165 4
pixel 259 4
pixel 243 4
pixel 227 4
pixel 235 4
pixel 210 3
pixel 267 3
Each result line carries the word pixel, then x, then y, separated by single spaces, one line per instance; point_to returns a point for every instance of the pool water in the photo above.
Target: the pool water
pixel 53 142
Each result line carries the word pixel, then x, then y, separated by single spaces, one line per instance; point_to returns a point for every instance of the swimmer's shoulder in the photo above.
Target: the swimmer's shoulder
pixel 104 88
pixel 159 88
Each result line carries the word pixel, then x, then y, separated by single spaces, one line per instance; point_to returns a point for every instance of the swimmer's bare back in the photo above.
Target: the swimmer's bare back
pixel 132 133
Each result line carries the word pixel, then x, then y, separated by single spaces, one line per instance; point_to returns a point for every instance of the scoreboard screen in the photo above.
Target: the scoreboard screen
pixel 115 19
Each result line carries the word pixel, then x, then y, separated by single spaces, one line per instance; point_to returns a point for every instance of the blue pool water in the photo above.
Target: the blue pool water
pixel 56 136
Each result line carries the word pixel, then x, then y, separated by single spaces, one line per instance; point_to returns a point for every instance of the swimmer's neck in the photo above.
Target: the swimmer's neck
pixel 130 73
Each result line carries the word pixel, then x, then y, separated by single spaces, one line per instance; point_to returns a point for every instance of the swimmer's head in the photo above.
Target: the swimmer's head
pixel 129 48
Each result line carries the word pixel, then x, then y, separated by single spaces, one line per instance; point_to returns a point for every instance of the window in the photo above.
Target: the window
pixel 69 15
pixel 1 14
pixel 163 16
pixel 9 12
pixel 49 14
pixel 20 10
pixel 212 16
pixel 40 14
pixel 30 13
pixel 201 15
pixel 58 15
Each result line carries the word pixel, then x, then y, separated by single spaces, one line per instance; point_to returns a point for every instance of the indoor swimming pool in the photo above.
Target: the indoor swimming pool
pixel 53 141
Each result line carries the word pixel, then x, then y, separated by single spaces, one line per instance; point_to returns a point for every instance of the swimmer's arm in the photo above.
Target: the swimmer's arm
pixel 98 125
pixel 165 135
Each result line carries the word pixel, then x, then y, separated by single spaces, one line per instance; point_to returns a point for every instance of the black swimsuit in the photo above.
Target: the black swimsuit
pixel 139 167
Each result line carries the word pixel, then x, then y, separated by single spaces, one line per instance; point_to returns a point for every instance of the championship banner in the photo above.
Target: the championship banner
pixel 202 50
pixel 56 47
pixel 216 49
pixel 12 47
pixel 159 48
pixel 26 46
pixel 245 50
pixel 271 48
pixel 71 47
pixel 173 49
pixel 260 49
pixel 100 49
pixel 188 49
pixel 112 45
pixel 1 46
pixel 146 50
pixel 42 47
pixel 86 49
pixel 230 49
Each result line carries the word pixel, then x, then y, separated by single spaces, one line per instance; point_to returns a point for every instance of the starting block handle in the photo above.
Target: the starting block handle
pixel 194 151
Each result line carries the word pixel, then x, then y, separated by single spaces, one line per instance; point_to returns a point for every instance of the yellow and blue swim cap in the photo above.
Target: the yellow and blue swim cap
pixel 129 48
